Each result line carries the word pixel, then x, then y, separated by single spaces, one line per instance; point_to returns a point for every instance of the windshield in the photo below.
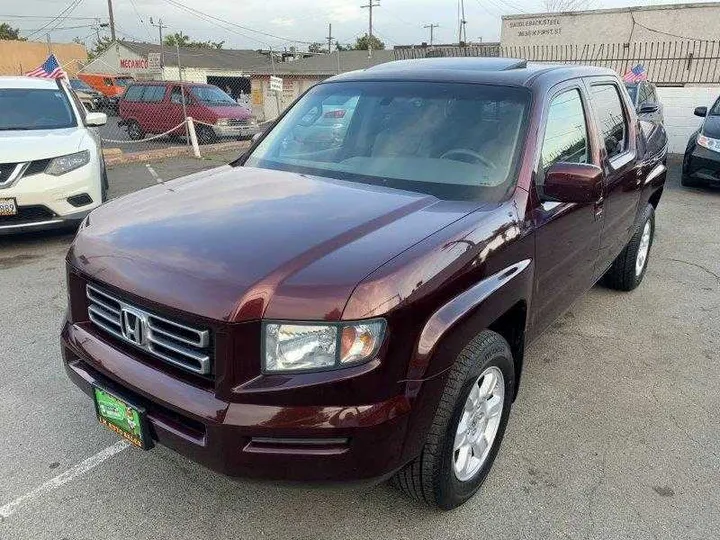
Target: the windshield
pixel 124 81
pixel 715 109
pixel 211 95
pixel 79 85
pixel 632 90
pixel 451 140
pixel 26 109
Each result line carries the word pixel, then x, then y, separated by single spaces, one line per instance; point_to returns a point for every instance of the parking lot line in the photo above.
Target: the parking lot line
pixel 54 483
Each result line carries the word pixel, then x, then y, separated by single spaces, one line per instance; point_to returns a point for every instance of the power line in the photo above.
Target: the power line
pixel 247 29
pixel 142 22
pixel 68 9
pixel 46 17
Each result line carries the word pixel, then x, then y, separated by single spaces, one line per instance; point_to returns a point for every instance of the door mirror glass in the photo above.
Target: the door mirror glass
pixel 648 107
pixel 572 183
pixel 701 112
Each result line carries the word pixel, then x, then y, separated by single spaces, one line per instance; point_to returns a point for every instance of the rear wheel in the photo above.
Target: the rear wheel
pixel 628 270
pixel 468 427
pixel 135 132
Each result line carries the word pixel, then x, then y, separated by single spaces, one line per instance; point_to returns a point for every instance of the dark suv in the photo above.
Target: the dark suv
pixel 361 310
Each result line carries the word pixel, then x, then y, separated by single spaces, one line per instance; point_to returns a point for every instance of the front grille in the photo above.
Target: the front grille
pixel 28 215
pixel 7 170
pixel 172 342
pixel 239 122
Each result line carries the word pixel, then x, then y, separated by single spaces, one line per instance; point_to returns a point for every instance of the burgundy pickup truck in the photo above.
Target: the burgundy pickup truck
pixel 359 310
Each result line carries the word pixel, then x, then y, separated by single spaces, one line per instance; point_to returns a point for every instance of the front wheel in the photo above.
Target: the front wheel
pixel 206 135
pixel 468 427
pixel 628 270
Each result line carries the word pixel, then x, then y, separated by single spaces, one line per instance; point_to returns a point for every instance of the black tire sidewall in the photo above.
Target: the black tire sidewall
pixel 135 131
pixel 451 491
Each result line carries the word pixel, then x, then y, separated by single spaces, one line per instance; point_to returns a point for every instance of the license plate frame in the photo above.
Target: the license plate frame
pixel 11 202
pixel 127 419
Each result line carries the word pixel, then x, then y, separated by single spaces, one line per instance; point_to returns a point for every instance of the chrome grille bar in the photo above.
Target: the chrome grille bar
pixel 170 341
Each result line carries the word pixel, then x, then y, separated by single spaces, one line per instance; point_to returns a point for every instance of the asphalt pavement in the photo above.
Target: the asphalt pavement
pixel 615 433
pixel 116 136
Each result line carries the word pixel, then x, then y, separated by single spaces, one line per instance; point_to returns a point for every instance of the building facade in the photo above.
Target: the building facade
pixel 661 23
pixel 19 57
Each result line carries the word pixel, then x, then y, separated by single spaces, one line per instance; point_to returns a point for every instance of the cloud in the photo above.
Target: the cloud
pixel 342 11
pixel 282 21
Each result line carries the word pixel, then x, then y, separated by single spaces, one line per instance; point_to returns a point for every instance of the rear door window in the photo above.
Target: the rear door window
pixel 610 114
pixel 134 93
pixel 176 96
pixel 566 131
pixel 153 94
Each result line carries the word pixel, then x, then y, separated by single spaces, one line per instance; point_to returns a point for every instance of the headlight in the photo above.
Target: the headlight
pixel 709 143
pixel 318 347
pixel 65 164
pixel 222 122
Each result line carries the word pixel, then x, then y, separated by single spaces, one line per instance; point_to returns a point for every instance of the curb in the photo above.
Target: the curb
pixel 115 156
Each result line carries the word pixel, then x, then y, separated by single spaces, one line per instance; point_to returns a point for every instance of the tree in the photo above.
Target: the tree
pixel 317 47
pixel 362 43
pixel 99 46
pixel 567 5
pixel 183 40
pixel 7 32
pixel 178 38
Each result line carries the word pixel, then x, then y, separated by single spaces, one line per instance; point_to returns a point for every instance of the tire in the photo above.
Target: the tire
pixel 135 132
pixel 688 181
pixel 626 272
pixel 205 135
pixel 432 477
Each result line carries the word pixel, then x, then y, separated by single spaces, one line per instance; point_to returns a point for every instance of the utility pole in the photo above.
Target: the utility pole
pixel 370 5
pixel 462 34
pixel 112 20
pixel 329 38
pixel 49 44
pixel 160 27
pixel 432 27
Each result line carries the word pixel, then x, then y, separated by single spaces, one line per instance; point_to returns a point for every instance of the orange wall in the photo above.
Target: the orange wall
pixel 18 57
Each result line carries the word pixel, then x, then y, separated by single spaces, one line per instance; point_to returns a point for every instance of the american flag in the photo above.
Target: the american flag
pixel 49 70
pixel 635 75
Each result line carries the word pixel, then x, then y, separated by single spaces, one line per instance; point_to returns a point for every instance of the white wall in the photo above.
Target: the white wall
pixel 679 104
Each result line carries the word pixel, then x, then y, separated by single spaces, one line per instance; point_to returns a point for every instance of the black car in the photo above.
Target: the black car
pixel 701 165
pixel 644 98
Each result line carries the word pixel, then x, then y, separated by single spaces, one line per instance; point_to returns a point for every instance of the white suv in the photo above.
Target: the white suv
pixel 52 173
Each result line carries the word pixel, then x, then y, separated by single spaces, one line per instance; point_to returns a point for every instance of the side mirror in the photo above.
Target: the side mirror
pixel 646 108
pixel 701 112
pixel 95 119
pixel 572 183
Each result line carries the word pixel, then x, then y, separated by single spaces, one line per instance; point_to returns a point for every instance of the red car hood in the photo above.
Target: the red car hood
pixel 241 243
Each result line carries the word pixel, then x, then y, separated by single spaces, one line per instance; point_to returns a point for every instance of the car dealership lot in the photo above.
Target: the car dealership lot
pixel 614 433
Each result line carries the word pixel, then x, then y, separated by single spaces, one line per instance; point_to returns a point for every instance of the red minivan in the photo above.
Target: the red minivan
pixel 153 107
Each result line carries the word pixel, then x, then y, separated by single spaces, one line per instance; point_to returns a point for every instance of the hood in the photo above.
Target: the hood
pixel 230 111
pixel 241 243
pixel 711 127
pixel 18 145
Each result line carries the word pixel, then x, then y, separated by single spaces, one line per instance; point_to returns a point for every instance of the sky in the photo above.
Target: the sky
pixel 258 24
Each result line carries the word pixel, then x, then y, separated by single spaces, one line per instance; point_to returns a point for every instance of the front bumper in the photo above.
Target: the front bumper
pixel 245 130
pixel 703 164
pixel 296 443
pixel 46 200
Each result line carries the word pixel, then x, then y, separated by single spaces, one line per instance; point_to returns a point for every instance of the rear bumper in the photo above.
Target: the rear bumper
pixel 703 164
pixel 296 443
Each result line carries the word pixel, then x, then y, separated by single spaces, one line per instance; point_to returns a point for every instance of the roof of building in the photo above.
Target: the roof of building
pixel 328 64
pixel 499 71
pixel 197 57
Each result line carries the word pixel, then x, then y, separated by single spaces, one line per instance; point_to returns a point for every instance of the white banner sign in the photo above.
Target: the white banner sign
pixel 153 61
pixel 276 84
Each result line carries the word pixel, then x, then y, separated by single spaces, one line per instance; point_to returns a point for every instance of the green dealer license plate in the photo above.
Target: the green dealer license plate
pixel 122 418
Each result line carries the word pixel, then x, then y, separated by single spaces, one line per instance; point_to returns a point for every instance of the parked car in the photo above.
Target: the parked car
pixel 644 97
pixel 701 164
pixel 52 172
pixel 362 311
pixel 91 99
pixel 324 125
pixel 110 86
pixel 154 107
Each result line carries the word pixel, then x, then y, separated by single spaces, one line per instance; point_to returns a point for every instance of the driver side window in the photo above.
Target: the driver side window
pixel 566 131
